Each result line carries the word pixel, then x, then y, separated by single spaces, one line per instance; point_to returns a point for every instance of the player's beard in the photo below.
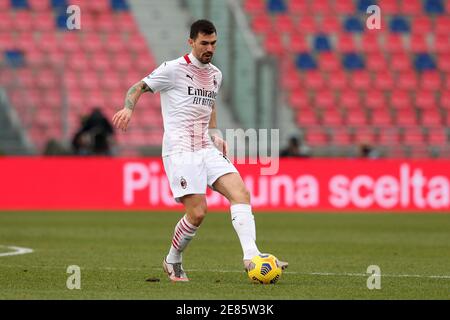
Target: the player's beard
pixel 207 57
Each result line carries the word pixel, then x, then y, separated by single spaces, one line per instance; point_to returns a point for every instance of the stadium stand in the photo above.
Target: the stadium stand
pixel 389 87
pixel 50 71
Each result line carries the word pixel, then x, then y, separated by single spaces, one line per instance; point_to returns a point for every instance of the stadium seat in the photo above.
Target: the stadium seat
pixel 273 44
pixel 305 61
pixel 261 23
pixel 400 99
pixel 328 61
pixel 374 99
pixel 349 99
pixel 407 80
pixel 298 7
pixel 376 62
pixel 442 25
pixel 406 117
pixel 389 136
pixel 441 44
pixel 434 6
pixel 254 6
pixel 425 99
pixel 400 62
pixel 437 136
pixel 413 136
pixel 276 6
pixel 345 43
pixel 353 24
pixel 321 43
pixel 298 44
pixel 399 24
pixel 307 24
pixel 424 61
pixel 314 80
pixel 119 5
pixel 411 7
pixel 421 25
pixel 356 117
pixel 19 4
pixel 431 118
pixel 325 99
pixel 430 80
pixel 381 118
pixel 299 99
pixel 337 80
pixel 340 136
pixel 370 43
pixel 283 24
pixel 316 137
pixel 393 43
pixel 353 61
pixel 360 80
pixel 390 7
pixel 344 7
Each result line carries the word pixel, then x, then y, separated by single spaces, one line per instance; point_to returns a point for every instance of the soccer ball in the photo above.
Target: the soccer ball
pixel 264 269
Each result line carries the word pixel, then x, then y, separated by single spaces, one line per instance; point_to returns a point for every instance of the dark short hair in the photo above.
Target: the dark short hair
pixel 202 26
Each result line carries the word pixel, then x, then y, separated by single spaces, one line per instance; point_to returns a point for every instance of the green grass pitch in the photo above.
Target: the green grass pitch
pixel 328 255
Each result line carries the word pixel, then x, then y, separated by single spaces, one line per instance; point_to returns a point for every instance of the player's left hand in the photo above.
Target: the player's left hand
pixel 220 144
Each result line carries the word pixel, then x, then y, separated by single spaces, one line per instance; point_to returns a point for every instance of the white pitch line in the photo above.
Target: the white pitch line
pixel 333 274
pixel 17 251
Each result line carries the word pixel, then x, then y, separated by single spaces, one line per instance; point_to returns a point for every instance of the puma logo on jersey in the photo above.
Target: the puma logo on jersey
pixel 190 77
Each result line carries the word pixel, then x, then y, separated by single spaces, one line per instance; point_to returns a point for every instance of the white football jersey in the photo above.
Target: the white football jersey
pixel 188 91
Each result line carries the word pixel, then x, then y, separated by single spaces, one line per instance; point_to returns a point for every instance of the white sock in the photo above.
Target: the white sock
pixel 182 235
pixel 244 224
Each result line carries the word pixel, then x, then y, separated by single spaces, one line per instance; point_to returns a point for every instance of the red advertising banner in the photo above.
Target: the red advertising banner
pixel 299 185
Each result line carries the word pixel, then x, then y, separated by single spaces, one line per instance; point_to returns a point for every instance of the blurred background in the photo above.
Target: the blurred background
pixel 313 69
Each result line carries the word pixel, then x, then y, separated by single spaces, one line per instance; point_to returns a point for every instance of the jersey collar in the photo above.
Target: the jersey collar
pixel 196 62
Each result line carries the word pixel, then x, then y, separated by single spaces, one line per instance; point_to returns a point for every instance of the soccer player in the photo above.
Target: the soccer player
pixel 193 156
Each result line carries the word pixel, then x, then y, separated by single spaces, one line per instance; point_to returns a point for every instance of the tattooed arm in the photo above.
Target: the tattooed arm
pixel 123 117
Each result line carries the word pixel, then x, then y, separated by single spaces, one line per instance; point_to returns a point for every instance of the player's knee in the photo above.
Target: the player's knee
pixel 242 196
pixel 198 213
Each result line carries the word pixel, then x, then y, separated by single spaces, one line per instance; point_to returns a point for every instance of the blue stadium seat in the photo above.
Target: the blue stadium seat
pixel 364 4
pixel 434 7
pixel 399 24
pixel 353 24
pixel 61 20
pixel 276 6
pixel 321 43
pixel 424 61
pixel 306 62
pixel 19 4
pixel 353 61
pixel 14 58
pixel 119 5
pixel 59 5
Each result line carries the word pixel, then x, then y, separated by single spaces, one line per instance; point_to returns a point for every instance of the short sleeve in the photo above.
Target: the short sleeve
pixel 160 79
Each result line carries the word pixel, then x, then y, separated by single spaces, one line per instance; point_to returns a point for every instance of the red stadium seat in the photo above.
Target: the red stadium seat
pixel 384 80
pixel 407 80
pixel 360 80
pixel 261 23
pixel 400 99
pixel 349 99
pixel 337 80
pixel 370 42
pixel 254 6
pixel 393 43
pixel 364 135
pixel 325 99
pixel 283 23
pixel 298 7
pixel 411 7
pixel 340 136
pixel 290 79
pixel 331 117
pixel 345 43
pixel 38 5
pixel 431 118
pixel 421 25
pixel 406 117
pixel 330 23
pixel 23 20
pixel 381 118
pixel 316 137
pixel 307 24
pixel 25 41
pixel 356 117
pixel 437 136
pixel 48 42
pixel 430 80
pixel 313 80
pixel 425 99
pixel 6 23
pixel 442 25
pixel 273 44
pixel 328 61
pixel 106 23
pixel 390 7
pixel 376 62
pixel 44 21
pixel 444 100
pixel 70 42
pixel 344 7
pixel 307 117
pixel 114 43
pixel 125 22
pixel 413 136
pixel 375 99
pixel 299 99
pixel 297 43
pixel 320 7
pixel 418 43
pixel 442 44
pixel 400 62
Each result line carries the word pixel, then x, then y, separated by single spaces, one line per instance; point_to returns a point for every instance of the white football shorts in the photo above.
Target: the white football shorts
pixel 192 172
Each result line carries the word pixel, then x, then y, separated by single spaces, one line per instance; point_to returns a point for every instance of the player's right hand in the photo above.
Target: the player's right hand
pixel 121 119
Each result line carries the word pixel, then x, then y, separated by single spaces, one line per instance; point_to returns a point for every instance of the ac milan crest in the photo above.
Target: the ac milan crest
pixel 183 183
